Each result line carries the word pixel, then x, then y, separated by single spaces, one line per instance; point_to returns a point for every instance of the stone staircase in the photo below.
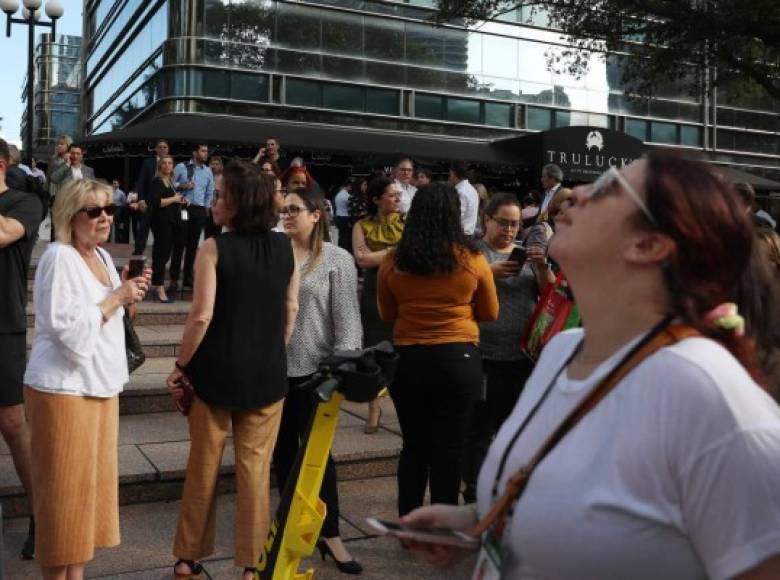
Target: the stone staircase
pixel 154 437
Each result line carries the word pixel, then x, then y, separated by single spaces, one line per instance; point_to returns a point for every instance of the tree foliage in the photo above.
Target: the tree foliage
pixel 735 42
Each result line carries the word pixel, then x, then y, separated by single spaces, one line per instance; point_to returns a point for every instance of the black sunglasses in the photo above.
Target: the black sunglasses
pixel 94 211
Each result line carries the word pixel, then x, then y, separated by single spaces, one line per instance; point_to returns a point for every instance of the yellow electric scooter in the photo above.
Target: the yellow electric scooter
pixel 355 376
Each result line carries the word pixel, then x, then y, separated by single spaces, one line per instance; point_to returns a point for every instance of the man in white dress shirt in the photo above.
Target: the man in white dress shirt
pixel 469 198
pixel 403 174
pixel 552 176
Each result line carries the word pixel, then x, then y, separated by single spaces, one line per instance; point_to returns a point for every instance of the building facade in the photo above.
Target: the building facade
pixel 57 92
pixel 382 66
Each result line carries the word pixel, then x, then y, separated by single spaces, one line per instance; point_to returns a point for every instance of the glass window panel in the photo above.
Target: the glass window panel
pixel 463 110
pixel 424 44
pixel 384 39
pixel 475 53
pixel 303 93
pixel 498 88
pixel 562 119
pixel 248 87
pixel 456 49
pixel 297 26
pixel 539 119
pixel 533 62
pixel 343 68
pixel 663 132
pixel 690 136
pixel 344 97
pixel 428 106
pixel 387 74
pixel 637 128
pixel 342 33
pixel 498 115
pixel 499 56
pixel 382 101
pixel 298 62
pixel 598 121
pixel 420 78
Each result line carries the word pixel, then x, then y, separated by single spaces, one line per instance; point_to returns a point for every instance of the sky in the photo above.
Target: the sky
pixel 14 69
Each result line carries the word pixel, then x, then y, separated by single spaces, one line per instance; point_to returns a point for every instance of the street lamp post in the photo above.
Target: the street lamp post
pixel 31 13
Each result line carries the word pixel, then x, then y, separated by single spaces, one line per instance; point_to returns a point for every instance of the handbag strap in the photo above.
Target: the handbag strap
pixel 517 484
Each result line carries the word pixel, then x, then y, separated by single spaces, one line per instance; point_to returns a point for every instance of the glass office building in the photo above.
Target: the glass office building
pixel 57 92
pixel 382 67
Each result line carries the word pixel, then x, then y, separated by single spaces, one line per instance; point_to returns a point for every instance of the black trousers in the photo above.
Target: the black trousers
pixel 167 232
pixel 298 409
pixel 121 226
pixel 504 381
pixel 344 226
pixel 434 391
pixel 188 246
pixel 140 224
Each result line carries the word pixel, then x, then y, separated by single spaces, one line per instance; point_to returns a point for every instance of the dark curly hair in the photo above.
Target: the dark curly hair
pixel 251 192
pixel 433 240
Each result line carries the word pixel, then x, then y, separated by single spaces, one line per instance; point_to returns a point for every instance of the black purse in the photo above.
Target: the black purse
pixel 133 349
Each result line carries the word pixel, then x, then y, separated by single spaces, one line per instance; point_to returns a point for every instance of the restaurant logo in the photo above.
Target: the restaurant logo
pixel 595 139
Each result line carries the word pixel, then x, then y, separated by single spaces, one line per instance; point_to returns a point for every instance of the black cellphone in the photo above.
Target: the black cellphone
pixel 136 266
pixel 518 255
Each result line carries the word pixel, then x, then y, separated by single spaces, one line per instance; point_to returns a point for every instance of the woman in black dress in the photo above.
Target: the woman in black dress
pixel 165 209
pixel 234 356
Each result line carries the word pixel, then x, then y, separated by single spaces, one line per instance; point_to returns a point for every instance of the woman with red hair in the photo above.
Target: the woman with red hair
pixel 297 178
pixel 642 446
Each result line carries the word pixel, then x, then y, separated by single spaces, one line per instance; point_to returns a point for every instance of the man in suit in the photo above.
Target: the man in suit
pixel 73 168
pixel 552 176
pixel 139 203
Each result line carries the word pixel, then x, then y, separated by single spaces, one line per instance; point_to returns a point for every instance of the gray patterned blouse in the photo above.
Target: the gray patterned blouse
pixel 329 315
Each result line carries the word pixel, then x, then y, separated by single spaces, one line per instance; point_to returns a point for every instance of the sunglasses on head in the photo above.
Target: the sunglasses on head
pixel 607 179
pixel 94 211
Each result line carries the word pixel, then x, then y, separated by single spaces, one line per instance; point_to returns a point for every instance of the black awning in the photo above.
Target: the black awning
pixel 305 136
pixel 756 181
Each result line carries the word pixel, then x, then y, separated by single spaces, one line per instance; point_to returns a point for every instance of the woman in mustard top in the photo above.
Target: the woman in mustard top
pixel 372 239
pixel 435 288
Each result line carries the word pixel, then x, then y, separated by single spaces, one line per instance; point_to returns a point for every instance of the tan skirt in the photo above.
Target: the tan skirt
pixel 75 475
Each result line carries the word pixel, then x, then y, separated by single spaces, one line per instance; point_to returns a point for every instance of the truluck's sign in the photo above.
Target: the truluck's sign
pixel 583 153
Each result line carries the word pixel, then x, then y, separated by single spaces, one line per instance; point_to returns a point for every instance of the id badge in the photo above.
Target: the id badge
pixel 491 559
pixel 184 215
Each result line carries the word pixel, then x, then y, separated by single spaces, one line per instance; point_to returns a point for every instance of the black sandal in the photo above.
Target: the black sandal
pixel 195 569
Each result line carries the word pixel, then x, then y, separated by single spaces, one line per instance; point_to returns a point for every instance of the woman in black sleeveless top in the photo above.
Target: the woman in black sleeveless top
pixel 233 353
pixel 165 210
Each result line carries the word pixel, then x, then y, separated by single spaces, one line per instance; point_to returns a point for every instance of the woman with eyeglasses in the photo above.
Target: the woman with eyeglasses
pixel 77 369
pixel 673 472
pixel 233 354
pixel 373 237
pixel 165 208
pixel 506 367
pixel 329 320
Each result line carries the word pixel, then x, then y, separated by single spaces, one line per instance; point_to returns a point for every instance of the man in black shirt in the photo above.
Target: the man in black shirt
pixel 20 216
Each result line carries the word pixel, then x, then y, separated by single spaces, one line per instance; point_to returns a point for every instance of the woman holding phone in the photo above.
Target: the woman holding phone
pixel 329 320
pixel 673 473
pixel 165 208
pixel 77 368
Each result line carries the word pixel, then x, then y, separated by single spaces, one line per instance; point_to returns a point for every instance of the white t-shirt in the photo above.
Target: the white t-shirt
pixel 73 352
pixel 469 206
pixel 674 475
pixel 407 195
pixel 342 203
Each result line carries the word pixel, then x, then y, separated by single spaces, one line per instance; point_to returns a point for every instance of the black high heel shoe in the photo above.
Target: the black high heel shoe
pixel 350 567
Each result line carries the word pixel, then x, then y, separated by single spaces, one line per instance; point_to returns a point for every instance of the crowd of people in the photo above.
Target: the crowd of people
pixel 644 443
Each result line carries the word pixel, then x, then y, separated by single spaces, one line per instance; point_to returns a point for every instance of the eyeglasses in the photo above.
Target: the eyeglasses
pixel 94 211
pixel 603 183
pixel 293 210
pixel 506 224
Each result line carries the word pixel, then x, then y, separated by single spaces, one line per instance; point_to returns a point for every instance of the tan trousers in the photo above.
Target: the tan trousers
pixel 75 475
pixel 254 437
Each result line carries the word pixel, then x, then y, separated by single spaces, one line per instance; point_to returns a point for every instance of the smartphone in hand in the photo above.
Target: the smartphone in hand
pixel 136 266
pixel 429 535
pixel 518 255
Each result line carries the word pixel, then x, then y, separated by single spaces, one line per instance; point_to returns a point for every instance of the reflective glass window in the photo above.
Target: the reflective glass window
pixel 498 115
pixel 303 93
pixel 382 101
pixel 539 119
pixel 637 128
pixel 663 132
pixel 248 86
pixel 343 97
pixel 428 106
pixel 342 33
pixel 499 56
pixel 690 135
pixel 113 32
pixel 456 49
pixel 297 26
pixel 384 39
pixel 216 18
pixel 463 110
pixel 562 119
pixel 424 44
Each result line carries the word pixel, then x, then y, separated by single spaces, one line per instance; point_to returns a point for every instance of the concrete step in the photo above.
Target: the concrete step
pixel 146 392
pixel 157 340
pixel 153 451
pixel 149 313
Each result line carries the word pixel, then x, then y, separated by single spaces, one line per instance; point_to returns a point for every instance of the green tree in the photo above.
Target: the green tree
pixel 656 42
